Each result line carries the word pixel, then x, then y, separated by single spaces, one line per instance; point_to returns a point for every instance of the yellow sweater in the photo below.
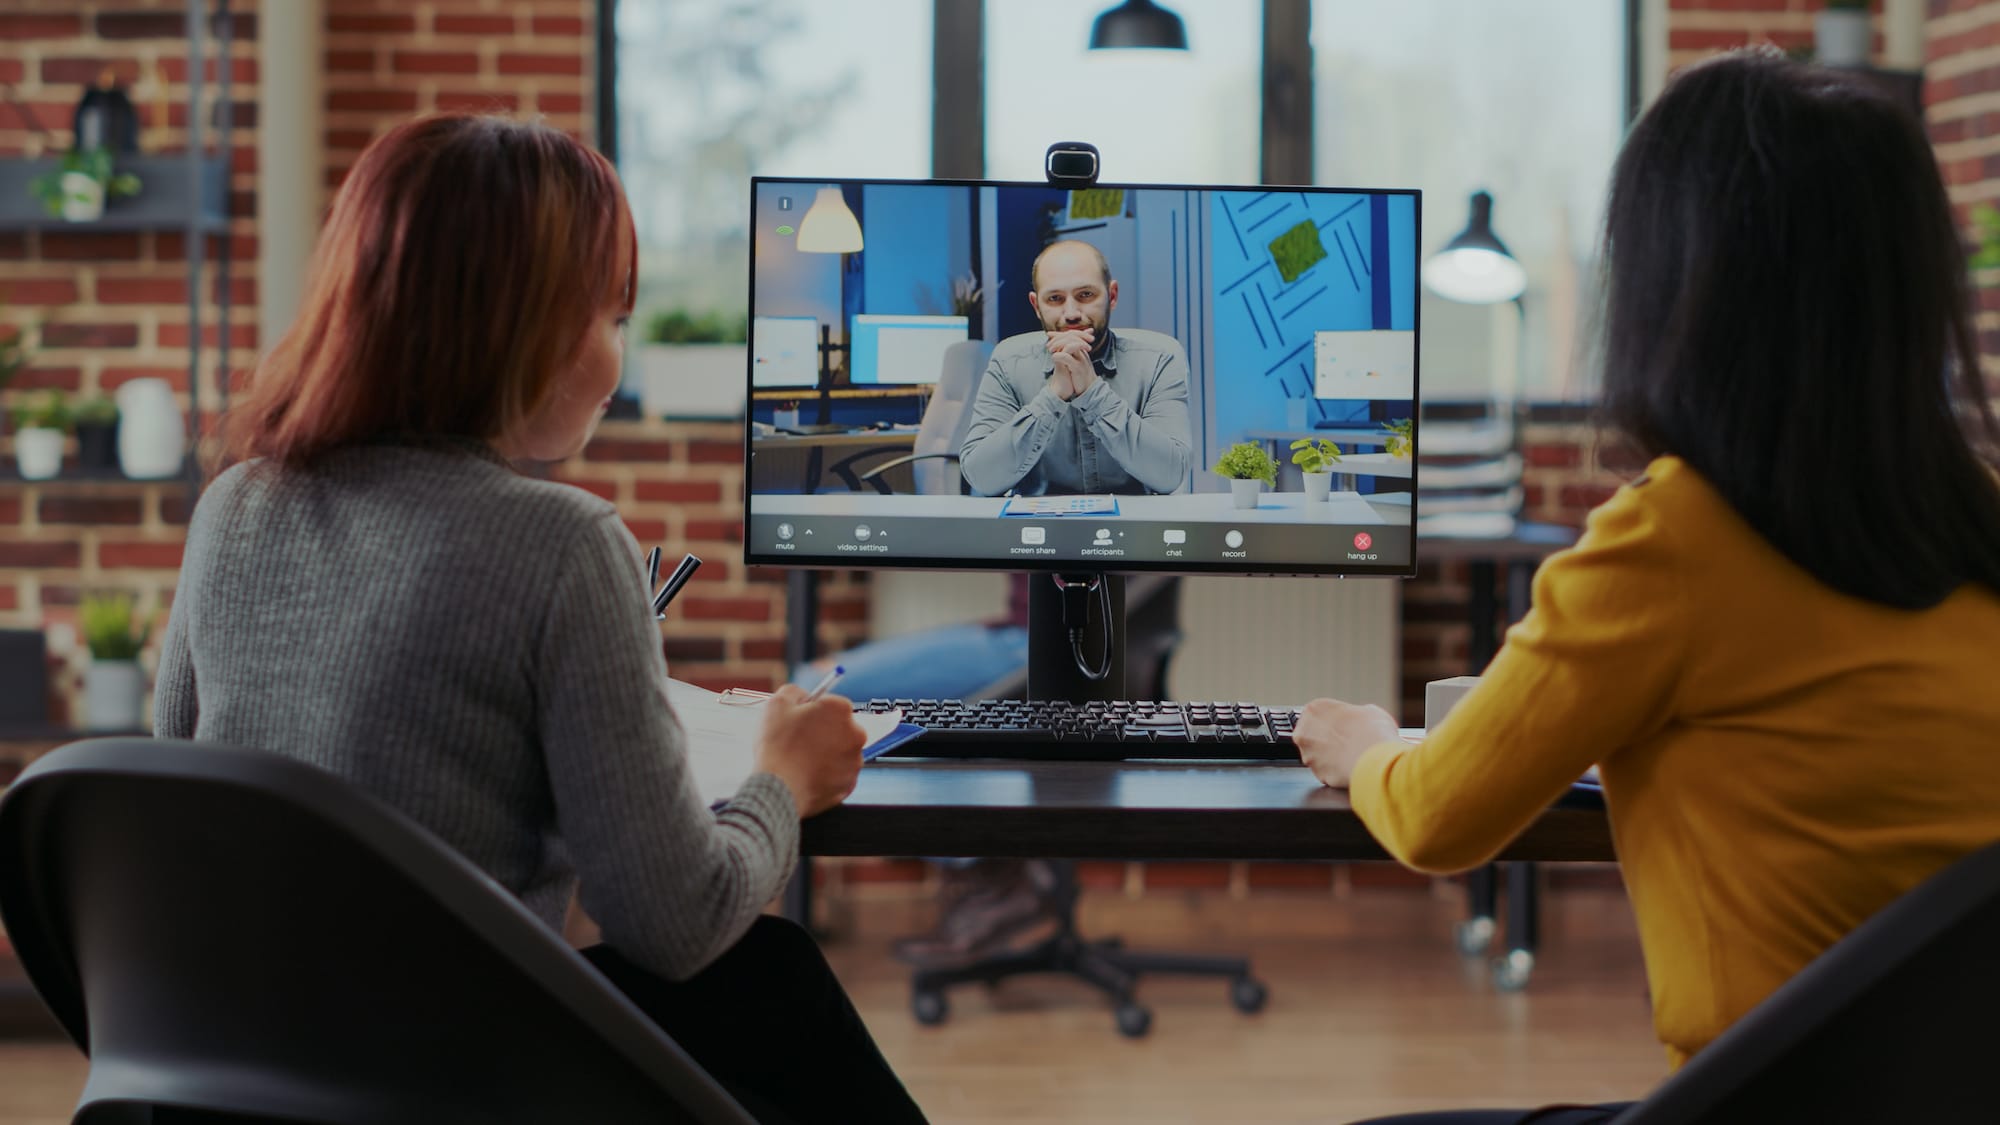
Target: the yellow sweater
pixel 1780 760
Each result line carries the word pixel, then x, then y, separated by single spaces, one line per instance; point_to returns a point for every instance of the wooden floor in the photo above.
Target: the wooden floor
pixel 1371 1012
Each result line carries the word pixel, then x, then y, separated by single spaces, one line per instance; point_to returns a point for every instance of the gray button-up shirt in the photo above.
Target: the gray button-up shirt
pixel 1128 433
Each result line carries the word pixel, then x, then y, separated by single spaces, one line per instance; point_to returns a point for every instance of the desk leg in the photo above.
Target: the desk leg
pixel 801 633
pixel 815 466
pixel 1524 906
pixel 1475 934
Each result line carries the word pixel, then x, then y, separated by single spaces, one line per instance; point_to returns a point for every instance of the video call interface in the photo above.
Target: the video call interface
pixel 1024 376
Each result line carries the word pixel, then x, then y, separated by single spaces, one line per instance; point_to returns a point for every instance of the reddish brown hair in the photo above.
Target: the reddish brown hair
pixel 464 260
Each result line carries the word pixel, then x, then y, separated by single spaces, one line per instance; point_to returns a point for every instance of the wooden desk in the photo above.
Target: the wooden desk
pixel 862 441
pixel 1133 810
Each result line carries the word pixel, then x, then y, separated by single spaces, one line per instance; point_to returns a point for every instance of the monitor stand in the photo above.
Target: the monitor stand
pixel 1052 670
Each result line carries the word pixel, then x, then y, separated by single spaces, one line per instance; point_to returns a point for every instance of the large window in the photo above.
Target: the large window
pixel 712 94
pixel 1177 117
pixel 1521 98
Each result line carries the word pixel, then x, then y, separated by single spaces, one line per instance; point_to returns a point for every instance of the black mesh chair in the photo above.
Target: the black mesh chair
pixel 1894 1023
pixel 1152 630
pixel 232 936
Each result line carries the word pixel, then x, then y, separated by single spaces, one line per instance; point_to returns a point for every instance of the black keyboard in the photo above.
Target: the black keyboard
pixel 1009 728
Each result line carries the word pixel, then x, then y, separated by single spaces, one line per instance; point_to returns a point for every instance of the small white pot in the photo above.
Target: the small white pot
pixel 112 692
pixel 82 198
pixel 1842 38
pixel 786 419
pixel 38 452
pixel 1243 493
pixel 1319 487
pixel 152 435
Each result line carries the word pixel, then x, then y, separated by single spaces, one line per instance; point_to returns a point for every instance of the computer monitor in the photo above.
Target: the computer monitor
pixel 888 350
pixel 1217 317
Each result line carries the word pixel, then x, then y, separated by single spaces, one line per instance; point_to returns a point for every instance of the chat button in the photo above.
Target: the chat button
pixel 1174 537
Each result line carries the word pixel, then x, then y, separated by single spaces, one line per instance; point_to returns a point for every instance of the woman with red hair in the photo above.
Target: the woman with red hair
pixel 374 590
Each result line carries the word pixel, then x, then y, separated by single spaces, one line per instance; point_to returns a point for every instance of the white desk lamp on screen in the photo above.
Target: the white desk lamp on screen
pixel 829 227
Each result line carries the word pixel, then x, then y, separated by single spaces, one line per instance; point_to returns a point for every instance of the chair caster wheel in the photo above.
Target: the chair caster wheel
pixel 929 1007
pixel 1511 973
pixel 1248 994
pixel 1474 935
pixel 1133 1021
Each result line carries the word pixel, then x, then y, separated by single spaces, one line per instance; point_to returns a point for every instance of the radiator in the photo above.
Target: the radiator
pixel 1283 641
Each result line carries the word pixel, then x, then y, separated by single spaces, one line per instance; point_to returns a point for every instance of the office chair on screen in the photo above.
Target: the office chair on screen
pixel 232 935
pixel 1152 630
pixel 1893 1023
pixel 933 457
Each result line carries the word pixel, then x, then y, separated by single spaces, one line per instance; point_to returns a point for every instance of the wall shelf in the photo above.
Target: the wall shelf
pixel 166 200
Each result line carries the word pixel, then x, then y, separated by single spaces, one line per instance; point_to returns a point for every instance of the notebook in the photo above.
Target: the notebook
pixel 722 737
pixel 1056 506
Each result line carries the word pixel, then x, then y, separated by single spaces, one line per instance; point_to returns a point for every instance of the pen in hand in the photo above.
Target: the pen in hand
pixel 675 581
pixel 826 684
pixel 652 567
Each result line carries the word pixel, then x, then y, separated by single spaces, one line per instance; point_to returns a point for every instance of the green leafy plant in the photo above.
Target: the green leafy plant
pixel 107 627
pixel 1315 455
pixel 678 326
pixel 46 412
pixel 1402 436
pixel 1985 237
pixel 1248 460
pixel 14 353
pixel 98 410
pixel 93 162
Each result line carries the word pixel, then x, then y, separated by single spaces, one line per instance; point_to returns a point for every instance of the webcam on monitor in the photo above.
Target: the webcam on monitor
pixel 1071 164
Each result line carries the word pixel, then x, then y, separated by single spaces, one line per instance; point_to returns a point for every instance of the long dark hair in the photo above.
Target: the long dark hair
pixel 1786 310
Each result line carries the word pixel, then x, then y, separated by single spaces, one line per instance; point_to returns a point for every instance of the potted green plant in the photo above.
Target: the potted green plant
pixel 97 433
pixel 692 364
pixel 1245 465
pixel 968 299
pixel 1316 458
pixel 1842 33
pixel 39 427
pixel 113 683
pixel 78 187
pixel 1402 437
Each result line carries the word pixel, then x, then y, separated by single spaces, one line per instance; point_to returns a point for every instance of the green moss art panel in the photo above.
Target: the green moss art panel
pixel 1297 250
pixel 1096 203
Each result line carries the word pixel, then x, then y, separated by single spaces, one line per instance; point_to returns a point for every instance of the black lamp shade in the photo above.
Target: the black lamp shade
pixel 1138 23
pixel 1478 233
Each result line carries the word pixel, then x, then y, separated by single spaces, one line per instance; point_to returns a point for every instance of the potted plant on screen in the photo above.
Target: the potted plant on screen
pixel 78 187
pixel 1402 437
pixel 39 427
pixel 692 365
pixel 1316 458
pixel 1246 465
pixel 97 433
pixel 113 683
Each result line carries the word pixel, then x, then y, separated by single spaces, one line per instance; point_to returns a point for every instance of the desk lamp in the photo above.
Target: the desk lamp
pixel 829 227
pixel 1476 268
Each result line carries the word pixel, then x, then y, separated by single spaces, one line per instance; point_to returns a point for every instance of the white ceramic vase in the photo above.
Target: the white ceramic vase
pixel 112 692
pixel 152 436
pixel 82 198
pixel 1243 493
pixel 38 452
pixel 1842 38
pixel 1319 487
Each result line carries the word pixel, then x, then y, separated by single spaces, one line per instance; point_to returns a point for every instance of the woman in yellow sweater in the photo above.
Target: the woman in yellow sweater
pixel 1778 645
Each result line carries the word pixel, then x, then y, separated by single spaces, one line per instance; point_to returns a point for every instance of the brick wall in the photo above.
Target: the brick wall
pixel 113 305
pixel 1962 106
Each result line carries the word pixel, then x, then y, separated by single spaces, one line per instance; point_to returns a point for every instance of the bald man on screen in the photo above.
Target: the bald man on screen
pixel 1076 408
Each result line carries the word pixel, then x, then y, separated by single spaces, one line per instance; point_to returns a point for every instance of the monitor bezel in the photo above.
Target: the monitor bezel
pixel 1078 566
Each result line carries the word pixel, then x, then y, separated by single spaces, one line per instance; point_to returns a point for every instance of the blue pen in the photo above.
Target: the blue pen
pixel 826 685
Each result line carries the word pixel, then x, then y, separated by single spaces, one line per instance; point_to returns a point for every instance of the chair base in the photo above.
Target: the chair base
pixel 1105 963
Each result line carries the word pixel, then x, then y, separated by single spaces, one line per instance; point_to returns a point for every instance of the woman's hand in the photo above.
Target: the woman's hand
pixel 1333 735
pixel 814 747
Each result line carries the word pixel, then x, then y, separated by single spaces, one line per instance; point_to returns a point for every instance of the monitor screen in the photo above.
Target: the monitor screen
pixel 1026 376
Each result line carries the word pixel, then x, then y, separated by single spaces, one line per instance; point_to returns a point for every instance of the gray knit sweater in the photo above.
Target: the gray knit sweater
pixel 473 647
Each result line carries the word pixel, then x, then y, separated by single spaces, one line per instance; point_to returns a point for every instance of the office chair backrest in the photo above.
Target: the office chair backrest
pixel 235 933
pixel 948 416
pixel 1894 1023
